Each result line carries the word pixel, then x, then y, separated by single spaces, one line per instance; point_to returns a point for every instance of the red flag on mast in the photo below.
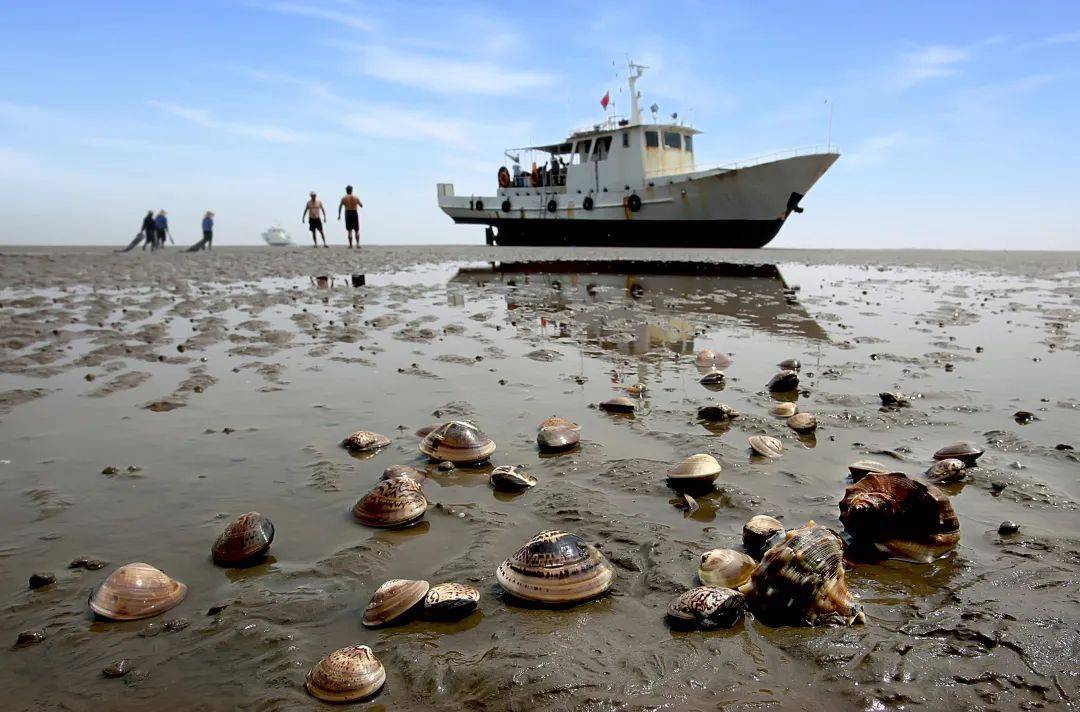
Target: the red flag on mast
pixel 606 100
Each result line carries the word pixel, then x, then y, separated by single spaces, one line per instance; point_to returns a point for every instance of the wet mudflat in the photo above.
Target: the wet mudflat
pixel 148 400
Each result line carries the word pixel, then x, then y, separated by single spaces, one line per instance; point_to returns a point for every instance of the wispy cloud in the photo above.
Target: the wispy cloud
pixel 875 149
pixel 405 124
pixel 342 13
pixel 1063 38
pixel 930 63
pixel 261 132
pixel 446 75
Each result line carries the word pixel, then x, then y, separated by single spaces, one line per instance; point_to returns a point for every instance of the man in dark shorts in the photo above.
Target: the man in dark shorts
pixel 146 235
pixel 351 205
pixel 162 224
pixel 312 214
pixel 207 233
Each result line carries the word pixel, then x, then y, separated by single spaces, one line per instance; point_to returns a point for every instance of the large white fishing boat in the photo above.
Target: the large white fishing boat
pixel 629 182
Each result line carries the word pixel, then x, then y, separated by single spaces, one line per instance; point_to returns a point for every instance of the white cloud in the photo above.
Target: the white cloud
pixel 1063 38
pixel 349 15
pixel 875 149
pixel 261 132
pixel 930 63
pixel 446 75
pixel 407 124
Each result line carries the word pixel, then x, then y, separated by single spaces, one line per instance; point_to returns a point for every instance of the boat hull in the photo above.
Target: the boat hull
pixel 632 233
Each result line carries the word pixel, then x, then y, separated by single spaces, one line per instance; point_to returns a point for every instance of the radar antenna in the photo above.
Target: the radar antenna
pixel 636 70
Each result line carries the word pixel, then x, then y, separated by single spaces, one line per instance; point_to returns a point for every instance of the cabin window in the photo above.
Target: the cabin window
pixel 652 139
pixel 626 139
pixel 602 148
pixel 581 153
pixel 672 139
pixel 689 142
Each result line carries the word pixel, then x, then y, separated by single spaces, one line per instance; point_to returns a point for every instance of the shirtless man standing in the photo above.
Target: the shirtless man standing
pixel 351 204
pixel 311 214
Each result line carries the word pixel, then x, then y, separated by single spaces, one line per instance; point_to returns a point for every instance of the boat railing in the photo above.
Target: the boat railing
pixel 753 161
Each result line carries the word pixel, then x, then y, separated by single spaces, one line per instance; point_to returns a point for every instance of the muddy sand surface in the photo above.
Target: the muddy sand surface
pixel 146 400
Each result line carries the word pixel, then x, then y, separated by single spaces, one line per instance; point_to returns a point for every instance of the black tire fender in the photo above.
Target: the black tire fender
pixel 633 202
pixel 587 203
pixel 552 206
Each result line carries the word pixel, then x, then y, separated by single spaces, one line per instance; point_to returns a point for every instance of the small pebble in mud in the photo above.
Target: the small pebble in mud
pixel 1008 527
pixel 979 349
pixel 110 470
pixel 150 630
pixel 949 367
pixel 228 430
pixel 40 580
pixel 118 668
pixel 134 468
pixel 90 564
pixel 29 637
pixel 198 389
pixel 180 348
pixel 1023 417
pixel 176 624
pixel 446 466
pixel 998 486
pixel 214 610
pixel 89 377
pixel 1063 447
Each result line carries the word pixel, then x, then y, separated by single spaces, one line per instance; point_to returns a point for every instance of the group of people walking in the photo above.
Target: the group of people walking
pixel 155 230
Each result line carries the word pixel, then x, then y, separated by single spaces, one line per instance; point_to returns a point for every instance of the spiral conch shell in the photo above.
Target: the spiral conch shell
pixel 556 568
pixel 136 591
pixel 726 568
pixel 346 675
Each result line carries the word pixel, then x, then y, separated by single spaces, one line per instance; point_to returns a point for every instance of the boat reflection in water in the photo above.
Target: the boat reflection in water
pixel 642 305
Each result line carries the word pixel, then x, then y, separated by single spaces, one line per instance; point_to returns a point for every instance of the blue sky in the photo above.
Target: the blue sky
pixel 957 121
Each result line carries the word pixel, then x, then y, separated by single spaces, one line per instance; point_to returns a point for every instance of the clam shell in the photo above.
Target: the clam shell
pixel 556 568
pixel 619 404
pixel 136 591
pixel 364 441
pixel 758 532
pixel 893 399
pixel 784 410
pixel 458 442
pixel 726 568
pixel 963 451
pixel 902 517
pixel 766 445
pixel 706 607
pixel 638 389
pixel 510 478
pixel 557 438
pixel 392 600
pixel 396 502
pixel 790 364
pixel 451 600
pixel 412 473
pixel 696 469
pixel 862 468
pixel 803 422
pixel 705 357
pixel 346 675
pixel 712 378
pixel 801 580
pixel 556 421
pixel 717 412
pixel 245 539
pixel 784 382
pixel 944 472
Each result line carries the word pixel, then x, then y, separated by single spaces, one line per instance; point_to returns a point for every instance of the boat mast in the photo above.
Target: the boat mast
pixel 636 70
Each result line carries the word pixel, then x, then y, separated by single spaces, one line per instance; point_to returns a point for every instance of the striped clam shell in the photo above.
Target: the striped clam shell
pixel 346 675
pixel 901 517
pixel 136 591
pixel 766 445
pixel 801 580
pixel 365 441
pixel 245 539
pixel 706 607
pixel 458 442
pixel 392 600
pixel 451 600
pixel 725 567
pixel 396 502
pixel 556 568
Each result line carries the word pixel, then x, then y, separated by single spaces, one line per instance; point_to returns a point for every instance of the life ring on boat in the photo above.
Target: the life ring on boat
pixel 587 203
pixel 504 177
pixel 506 206
pixel 552 206
pixel 479 205
pixel 534 177
pixel 633 202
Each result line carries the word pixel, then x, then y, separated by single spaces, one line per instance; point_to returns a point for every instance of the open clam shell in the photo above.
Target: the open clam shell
pixel 510 478
pixel 697 470
pixel 557 438
pixel 784 382
pixel 759 532
pixel 766 445
pixel 963 451
pixel 803 422
pixel 136 591
pixel 346 675
pixel 396 502
pixel 706 607
pixel 726 568
pixel 801 580
pixel 246 539
pixel 365 441
pixel 556 568
pixel 458 442
pixel 451 600
pixel 393 600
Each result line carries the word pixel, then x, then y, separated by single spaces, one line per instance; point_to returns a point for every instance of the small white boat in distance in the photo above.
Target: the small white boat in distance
pixel 634 183
pixel 277 237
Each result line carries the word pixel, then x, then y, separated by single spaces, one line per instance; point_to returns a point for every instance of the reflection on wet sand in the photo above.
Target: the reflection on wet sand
pixel 755 295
